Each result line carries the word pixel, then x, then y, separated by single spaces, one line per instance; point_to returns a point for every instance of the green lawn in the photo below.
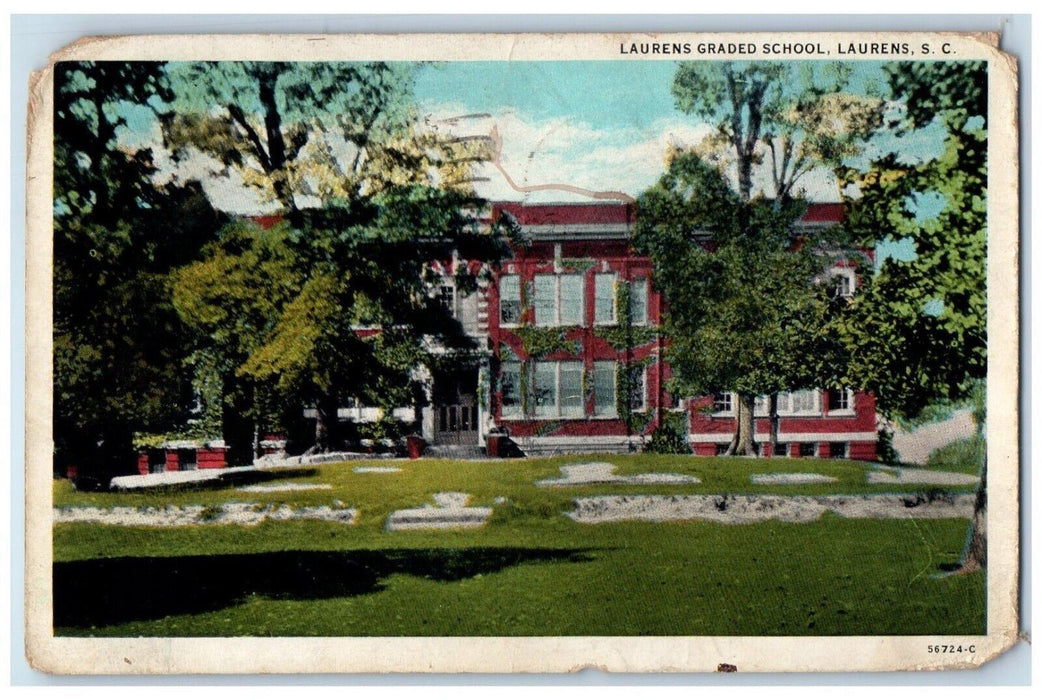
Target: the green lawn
pixel 530 571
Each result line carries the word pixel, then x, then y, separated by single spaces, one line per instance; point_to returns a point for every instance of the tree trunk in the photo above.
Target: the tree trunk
pixel 976 557
pixel 773 410
pixel 745 444
pixel 326 434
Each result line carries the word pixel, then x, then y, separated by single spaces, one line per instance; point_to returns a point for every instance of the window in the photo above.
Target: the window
pixel 844 281
pixel 762 406
pixel 804 401
pixel 637 387
pixel 572 306
pixel 510 300
pixel 571 383
pixel 544 389
pixel 604 298
pixel 839 450
pixel 604 389
pixel 510 388
pixel 841 400
pixel 559 300
pixel 545 300
pixel 639 302
pixel 446 296
pixel 723 403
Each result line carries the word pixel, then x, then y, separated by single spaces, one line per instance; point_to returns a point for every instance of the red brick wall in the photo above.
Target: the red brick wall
pixel 211 458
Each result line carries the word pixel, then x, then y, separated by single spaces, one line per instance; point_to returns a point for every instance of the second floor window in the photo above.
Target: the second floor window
pixel 604 298
pixel 639 302
pixel 558 300
pixel 510 300
pixel 723 403
pixel 840 400
pixel 447 298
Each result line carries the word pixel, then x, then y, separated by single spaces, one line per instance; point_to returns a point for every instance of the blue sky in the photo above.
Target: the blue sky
pixel 602 94
pixel 597 125
pixel 601 125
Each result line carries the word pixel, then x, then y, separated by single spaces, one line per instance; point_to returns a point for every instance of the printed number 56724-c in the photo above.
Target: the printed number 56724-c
pixel 951 648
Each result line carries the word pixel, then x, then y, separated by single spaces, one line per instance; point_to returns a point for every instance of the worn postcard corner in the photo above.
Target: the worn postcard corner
pixel 522 353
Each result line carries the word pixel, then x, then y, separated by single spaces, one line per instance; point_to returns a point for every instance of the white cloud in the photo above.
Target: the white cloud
pixel 559 151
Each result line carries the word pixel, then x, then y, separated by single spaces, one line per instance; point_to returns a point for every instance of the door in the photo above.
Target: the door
pixel 456 407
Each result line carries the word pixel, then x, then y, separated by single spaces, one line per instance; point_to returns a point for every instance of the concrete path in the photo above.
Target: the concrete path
pixel 448 511
pixel 929 477
pixel 226 514
pixel 366 469
pixel 734 510
pixel 915 446
pixel 793 478
pixel 604 473
pixel 196 476
pixel 287 486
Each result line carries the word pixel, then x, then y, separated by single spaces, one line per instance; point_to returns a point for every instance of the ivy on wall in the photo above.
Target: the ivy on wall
pixel 578 264
pixel 540 342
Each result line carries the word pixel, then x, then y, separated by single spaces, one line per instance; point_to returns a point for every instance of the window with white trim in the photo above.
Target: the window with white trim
pixel 544 300
pixel 559 300
pixel 639 301
pixel 573 307
pixel 762 406
pixel 570 380
pixel 510 300
pixel 841 401
pixel 446 296
pixel 604 298
pixel 723 402
pixel 544 390
pixel 604 389
pixel 510 390
pixel 844 281
pixel 806 402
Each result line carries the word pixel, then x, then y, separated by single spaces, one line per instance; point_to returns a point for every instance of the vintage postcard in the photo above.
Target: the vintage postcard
pixel 522 353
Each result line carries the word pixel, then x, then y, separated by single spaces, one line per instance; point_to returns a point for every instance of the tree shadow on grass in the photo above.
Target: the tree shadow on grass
pixel 101 592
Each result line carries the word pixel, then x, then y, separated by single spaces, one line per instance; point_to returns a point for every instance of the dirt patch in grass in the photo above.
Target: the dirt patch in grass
pixel 920 476
pixel 449 511
pixel 604 473
pixel 179 516
pixel 792 478
pixel 290 486
pixel 730 509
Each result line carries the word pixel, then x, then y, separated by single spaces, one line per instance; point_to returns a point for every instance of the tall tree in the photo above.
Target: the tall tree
pixel 372 202
pixel 786 119
pixel 748 294
pixel 117 234
pixel 918 332
pixel 304 134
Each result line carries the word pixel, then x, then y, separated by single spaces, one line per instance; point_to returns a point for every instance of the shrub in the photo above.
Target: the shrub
pixel 965 455
pixel 670 437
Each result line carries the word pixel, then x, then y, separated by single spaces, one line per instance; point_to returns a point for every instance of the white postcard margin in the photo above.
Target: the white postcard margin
pixel 525 654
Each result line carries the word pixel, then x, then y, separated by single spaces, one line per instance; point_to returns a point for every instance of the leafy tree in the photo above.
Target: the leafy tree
pixel 231 296
pixel 918 332
pixel 304 134
pixel 117 234
pixel 747 305
pixel 370 201
pixel 792 118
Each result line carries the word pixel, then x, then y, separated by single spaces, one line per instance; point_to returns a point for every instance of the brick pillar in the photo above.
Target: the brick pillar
pixel 172 463
pixel 142 462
